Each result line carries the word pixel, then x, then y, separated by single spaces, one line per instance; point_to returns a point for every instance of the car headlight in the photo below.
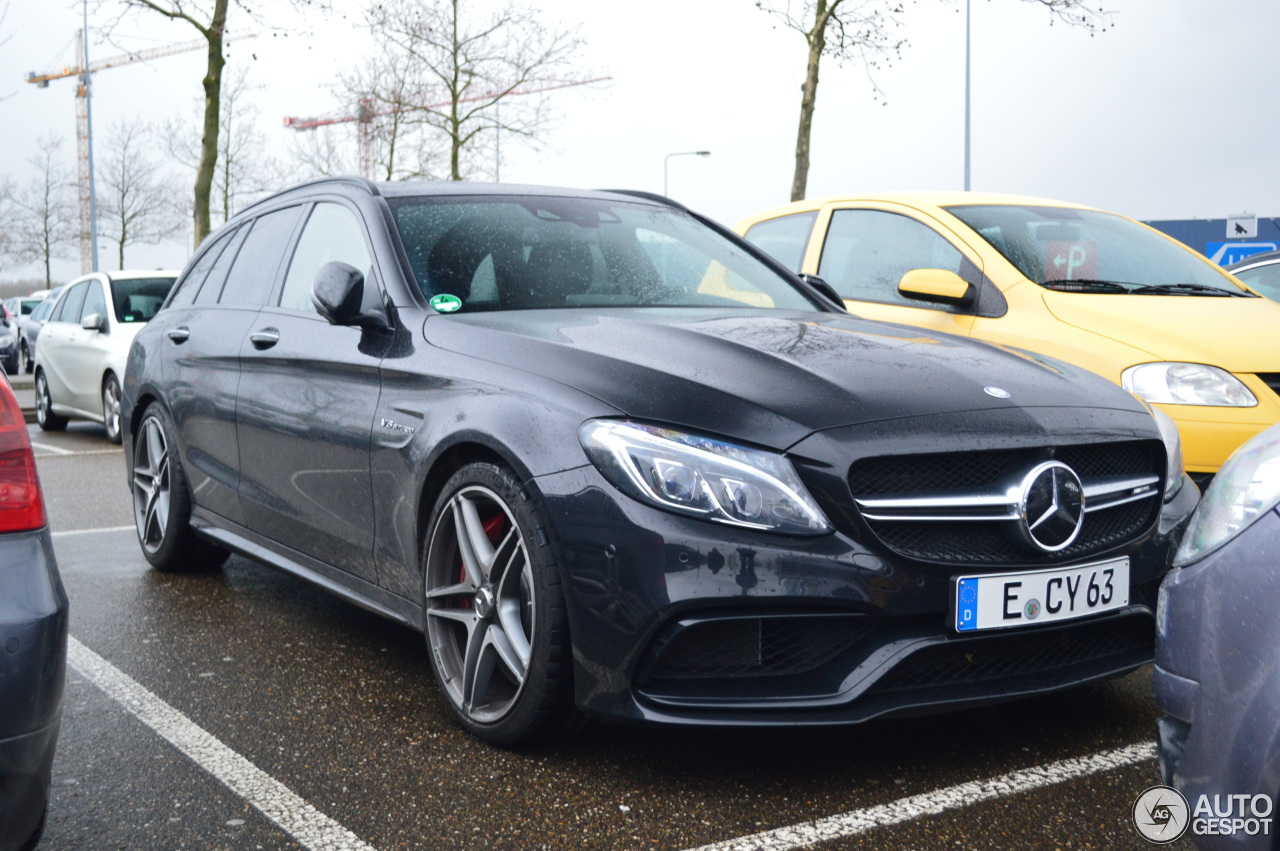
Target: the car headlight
pixel 702 477
pixel 1245 488
pixel 1173 453
pixel 1187 384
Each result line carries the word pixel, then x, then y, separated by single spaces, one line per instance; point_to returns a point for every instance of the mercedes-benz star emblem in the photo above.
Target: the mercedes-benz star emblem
pixel 998 392
pixel 1051 510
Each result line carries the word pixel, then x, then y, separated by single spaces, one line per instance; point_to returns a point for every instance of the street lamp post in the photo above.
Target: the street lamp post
pixel 966 94
pixel 678 154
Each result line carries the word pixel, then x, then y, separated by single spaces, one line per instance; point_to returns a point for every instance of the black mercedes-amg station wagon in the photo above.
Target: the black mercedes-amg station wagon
pixel 610 459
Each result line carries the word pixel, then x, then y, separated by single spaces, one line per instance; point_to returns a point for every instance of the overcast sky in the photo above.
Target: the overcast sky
pixel 1162 116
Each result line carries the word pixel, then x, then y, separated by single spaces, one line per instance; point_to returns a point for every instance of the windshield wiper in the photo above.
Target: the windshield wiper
pixel 1085 285
pixel 1189 289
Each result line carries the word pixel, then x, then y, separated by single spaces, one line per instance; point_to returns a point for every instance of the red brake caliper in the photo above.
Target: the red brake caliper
pixel 494 528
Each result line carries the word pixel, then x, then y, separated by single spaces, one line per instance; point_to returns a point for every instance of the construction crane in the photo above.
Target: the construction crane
pixel 84 122
pixel 366 111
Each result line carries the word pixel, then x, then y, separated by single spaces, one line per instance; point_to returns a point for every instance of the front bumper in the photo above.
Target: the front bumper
pixel 791 630
pixel 33 654
pixel 1217 674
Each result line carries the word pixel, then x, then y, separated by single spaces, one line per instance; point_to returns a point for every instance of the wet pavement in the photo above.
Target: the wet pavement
pixel 338 708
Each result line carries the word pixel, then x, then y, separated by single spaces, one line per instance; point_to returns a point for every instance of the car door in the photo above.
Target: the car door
pixel 865 251
pixel 308 394
pixel 204 328
pixel 57 335
pixel 84 351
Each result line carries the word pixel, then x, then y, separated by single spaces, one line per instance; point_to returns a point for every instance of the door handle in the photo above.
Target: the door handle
pixel 179 335
pixel 265 338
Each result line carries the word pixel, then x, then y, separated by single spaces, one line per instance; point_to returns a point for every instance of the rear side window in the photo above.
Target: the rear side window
pixel 218 274
pixel 68 309
pixel 784 237
pixel 139 299
pixel 867 252
pixel 253 274
pixel 190 284
pixel 333 233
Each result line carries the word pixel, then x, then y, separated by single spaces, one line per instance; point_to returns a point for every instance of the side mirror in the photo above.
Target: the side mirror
pixel 340 296
pixel 936 285
pixel 824 289
pixel 93 322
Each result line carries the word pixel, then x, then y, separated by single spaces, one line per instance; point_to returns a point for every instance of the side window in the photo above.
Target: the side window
pixel 185 293
pixel 867 252
pixel 94 301
pixel 784 237
pixel 218 274
pixel 253 273
pixel 68 309
pixel 332 233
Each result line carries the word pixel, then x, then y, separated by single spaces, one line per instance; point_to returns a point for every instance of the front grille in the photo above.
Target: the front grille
pixel 1272 380
pixel 753 646
pixel 1019 653
pixel 943 471
pixel 989 543
pixel 992 543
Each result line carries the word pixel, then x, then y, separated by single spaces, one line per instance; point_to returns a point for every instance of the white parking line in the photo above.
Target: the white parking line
pixel 93 531
pixel 47 448
pixel 44 447
pixel 307 825
pixel 938 801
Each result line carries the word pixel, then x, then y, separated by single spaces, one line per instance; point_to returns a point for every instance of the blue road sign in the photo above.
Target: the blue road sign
pixel 1226 253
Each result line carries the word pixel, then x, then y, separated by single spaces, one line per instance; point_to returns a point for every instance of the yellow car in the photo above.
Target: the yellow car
pixel 1079 284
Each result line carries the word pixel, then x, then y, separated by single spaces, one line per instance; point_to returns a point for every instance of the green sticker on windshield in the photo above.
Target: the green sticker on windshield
pixel 446 303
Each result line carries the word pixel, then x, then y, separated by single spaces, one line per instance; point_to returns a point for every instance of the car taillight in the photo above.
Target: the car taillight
pixel 21 503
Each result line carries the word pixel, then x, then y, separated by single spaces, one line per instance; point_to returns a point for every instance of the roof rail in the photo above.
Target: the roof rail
pixel 648 196
pixel 350 180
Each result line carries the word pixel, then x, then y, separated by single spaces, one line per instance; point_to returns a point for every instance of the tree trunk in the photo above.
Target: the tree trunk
pixel 212 116
pixel 455 126
pixel 817 38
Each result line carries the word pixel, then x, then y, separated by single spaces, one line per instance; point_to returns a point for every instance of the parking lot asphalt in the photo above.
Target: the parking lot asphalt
pixel 246 709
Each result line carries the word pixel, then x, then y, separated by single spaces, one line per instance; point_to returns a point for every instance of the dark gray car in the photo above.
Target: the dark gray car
pixel 1217 674
pixel 31 326
pixel 33 637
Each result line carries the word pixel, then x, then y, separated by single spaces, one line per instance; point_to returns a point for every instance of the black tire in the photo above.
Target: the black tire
pixel 48 420
pixel 507 620
pixel 34 839
pixel 11 364
pixel 162 500
pixel 25 363
pixel 111 397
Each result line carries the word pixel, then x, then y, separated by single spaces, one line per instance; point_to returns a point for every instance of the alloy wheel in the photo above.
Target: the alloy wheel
pixel 151 485
pixel 480 604
pixel 42 399
pixel 111 408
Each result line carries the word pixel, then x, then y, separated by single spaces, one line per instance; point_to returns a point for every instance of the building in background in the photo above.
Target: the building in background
pixel 1225 241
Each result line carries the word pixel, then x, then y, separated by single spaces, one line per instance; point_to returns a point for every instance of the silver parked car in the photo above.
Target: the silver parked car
pixel 1217 675
pixel 84 344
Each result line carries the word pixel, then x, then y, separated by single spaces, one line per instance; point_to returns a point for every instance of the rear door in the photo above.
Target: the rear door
pixel 58 334
pixel 205 324
pixel 307 399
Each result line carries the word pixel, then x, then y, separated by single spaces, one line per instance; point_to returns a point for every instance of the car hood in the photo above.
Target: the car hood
pixel 1237 334
pixel 768 377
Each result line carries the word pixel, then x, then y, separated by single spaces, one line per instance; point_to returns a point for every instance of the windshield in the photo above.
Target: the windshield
pixel 512 253
pixel 138 299
pixel 1088 251
pixel 1265 279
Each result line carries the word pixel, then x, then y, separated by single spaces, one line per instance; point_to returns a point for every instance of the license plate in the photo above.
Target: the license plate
pixel 1004 600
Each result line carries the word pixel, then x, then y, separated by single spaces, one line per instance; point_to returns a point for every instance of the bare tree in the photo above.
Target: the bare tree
pixel 867 31
pixel 209 18
pixel 468 64
pixel 242 169
pixel 46 221
pixel 138 203
pixel 390 91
